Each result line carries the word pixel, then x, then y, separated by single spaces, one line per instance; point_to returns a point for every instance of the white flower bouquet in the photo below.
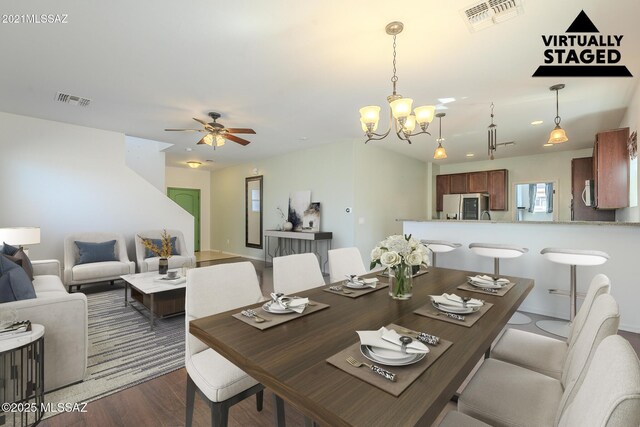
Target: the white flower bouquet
pixel 399 254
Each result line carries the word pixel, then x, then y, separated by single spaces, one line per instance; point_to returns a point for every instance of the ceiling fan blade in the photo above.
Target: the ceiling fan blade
pixel 236 139
pixel 240 130
pixel 185 130
pixel 200 121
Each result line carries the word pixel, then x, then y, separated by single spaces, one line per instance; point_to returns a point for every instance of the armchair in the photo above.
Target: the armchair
pixel 185 256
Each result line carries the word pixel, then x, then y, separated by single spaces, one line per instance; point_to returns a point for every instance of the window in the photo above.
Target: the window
pixel 541 199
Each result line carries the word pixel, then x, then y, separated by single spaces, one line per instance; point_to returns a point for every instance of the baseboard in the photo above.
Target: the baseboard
pixel 240 255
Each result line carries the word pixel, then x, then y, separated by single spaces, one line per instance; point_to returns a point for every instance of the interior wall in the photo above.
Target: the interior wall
pixel 553 166
pixel 76 180
pixel 631 120
pixel 196 179
pixel 388 187
pixel 326 170
pixel 146 158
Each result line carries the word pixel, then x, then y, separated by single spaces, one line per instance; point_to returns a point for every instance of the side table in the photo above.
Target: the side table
pixel 22 378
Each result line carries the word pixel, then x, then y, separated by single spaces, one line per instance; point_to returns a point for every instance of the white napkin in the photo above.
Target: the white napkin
pixel 370 282
pixel 292 303
pixel 390 340
pixel 484 279
pixel 453 300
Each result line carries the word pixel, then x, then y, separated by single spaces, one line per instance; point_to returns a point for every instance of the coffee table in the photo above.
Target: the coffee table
pixel 160 299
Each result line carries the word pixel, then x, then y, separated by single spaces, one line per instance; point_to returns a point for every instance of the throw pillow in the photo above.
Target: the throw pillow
pixel 96 252
pixel 158 244
pixel 7 249
pixel 12 259
pixel 14 282
pixel 25 262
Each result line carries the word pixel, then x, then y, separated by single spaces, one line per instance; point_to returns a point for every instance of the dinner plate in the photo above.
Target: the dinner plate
pixel 276 309
pixel 390 355
pixel 455 310
pixel 356 286
pixel 366 352
pixel 486 284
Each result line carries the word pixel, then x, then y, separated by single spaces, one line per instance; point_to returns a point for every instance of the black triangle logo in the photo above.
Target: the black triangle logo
pixel 582 24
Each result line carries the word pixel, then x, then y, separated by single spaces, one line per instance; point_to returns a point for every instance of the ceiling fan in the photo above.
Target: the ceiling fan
pixel 216 132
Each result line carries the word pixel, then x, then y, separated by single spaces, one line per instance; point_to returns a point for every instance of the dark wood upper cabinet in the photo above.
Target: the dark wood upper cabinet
pixel 582 170
pixel 458 183
pixel 611 169
pixel 442 188
pixel 497 186
pixel 477 182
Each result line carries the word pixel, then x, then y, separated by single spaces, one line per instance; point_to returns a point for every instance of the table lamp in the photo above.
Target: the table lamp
pixel 20 236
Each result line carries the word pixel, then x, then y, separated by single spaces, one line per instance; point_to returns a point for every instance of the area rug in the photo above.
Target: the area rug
pixel 123 351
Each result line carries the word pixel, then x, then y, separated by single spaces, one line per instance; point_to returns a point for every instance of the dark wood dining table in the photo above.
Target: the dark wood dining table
pixel 290 358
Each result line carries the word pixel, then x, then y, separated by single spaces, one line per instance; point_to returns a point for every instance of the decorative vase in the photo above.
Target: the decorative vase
pixel 287 226
pixel 401 282
pixel 163 265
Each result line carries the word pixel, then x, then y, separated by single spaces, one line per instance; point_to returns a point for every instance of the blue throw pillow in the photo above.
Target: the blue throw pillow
pixel 96 252
pixel 158 244
pixel 7 249
pixel 14 282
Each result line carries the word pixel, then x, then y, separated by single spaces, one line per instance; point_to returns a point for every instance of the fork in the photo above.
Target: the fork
pixel 253 315
pixel 378 370
pixel 340 289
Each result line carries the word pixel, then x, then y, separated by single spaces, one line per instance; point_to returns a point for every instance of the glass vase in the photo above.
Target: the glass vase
pixel 163 265
pixel 400 282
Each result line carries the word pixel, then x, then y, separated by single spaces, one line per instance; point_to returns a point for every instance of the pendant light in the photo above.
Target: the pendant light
pixel 440 152
pixel 492 135
pixel 400 118
pixel 558 135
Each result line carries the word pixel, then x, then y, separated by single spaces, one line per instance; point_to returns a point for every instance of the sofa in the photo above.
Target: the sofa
pixel 184 256
pixel 64 317
pixel 76 274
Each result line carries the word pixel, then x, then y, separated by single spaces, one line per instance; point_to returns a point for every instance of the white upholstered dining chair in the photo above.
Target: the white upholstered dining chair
pixel 211 290
pixel 344 262
pixel 296 273
pixel 609 395
pixel 541 353
pixel 502 394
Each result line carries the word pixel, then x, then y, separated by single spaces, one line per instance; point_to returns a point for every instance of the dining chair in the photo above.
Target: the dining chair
pixel 502 394
pixel 498 251
pixel 212 290
pixel 573 258
pixel 344 262
pixel 609 395
pixel 296 273
pixel 541 353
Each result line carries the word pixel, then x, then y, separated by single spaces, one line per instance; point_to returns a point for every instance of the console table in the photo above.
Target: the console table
pixel 296 242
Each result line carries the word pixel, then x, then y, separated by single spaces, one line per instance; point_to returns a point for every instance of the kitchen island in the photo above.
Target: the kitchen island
pixel 621 240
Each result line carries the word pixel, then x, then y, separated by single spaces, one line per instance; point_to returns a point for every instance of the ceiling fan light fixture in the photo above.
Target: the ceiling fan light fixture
pixel 219 141
pixel 208 139
pixel 193 164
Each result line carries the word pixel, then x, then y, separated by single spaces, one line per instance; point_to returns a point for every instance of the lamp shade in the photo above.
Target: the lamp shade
pixel 409 124
pixel 425 114
pixel 440 153
pixel 558 136
pixel 20 235
pixel 370 115
pixel 401 108
pixel 208 139
pixel 219 141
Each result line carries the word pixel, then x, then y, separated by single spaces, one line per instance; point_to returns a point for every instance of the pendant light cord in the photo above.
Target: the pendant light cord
pixel 557 119
pixel 394 79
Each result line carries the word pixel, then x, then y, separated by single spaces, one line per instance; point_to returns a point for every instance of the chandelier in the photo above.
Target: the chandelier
pixel 404 123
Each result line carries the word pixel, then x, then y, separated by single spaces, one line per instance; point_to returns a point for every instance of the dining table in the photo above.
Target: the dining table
pixel 291 358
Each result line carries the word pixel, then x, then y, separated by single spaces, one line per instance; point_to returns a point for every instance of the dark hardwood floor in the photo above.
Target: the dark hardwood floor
pixel 162 401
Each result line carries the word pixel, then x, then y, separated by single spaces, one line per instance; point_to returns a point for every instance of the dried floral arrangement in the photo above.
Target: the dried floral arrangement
pixel 164 251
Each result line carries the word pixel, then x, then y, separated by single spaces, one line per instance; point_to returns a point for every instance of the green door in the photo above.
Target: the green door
pixel 189 200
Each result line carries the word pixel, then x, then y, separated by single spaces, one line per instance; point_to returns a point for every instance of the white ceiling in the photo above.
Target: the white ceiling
pixel 297 72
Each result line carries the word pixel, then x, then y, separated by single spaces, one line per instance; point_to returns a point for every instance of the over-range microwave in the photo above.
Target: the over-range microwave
pixel 464 206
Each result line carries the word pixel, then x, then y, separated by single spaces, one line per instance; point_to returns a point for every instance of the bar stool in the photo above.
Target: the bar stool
pixel 573 258
pixel 437 246
pixel 497 251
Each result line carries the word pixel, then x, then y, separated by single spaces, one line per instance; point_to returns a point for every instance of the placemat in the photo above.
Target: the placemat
pixel 355 293
pixel 500 292
pixel 429 310
pixel 277 319
pixel 405 375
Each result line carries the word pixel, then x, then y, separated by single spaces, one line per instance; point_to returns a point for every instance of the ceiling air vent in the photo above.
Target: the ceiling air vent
pixel 65 98
pixel 487 13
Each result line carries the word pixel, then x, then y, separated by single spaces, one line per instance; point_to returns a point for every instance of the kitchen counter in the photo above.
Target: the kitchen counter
pixel 605 223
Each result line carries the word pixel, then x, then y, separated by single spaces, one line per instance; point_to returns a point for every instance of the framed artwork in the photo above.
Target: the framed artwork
pixel 311 218
pixel 298 203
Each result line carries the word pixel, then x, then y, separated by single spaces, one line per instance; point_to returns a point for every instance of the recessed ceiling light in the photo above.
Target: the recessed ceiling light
pixel 303 138
pixel 470 154
pixel 188 149
pixel 446 100
pixel 537 122
pixel 548 145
